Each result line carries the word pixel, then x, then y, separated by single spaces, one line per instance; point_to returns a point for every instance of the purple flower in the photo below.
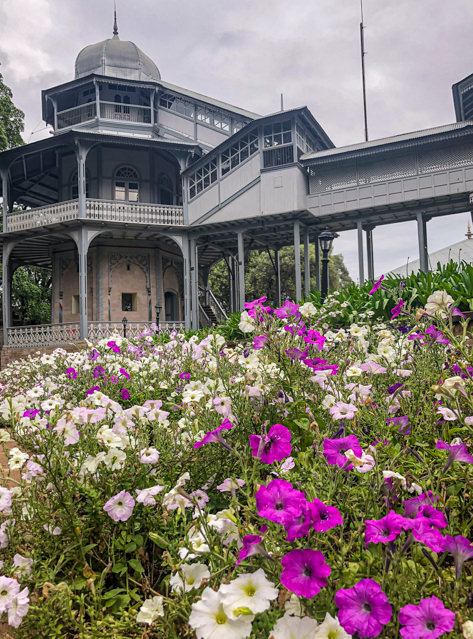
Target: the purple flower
pixel 279 501
pixel 456 452
pixel 124 373
pixel 125 394
pixel 456 312
pixel 397 309
pixel 92 390
pixel 185 376
pixel 324 517
pixel 461 548
pixel 113 345
pixel 9 588
pixel 304 572
pixel 216 435
pixel 429 620
pixel 71 373
pixel 428 535
pixel 120 507
pixel 411 506
pixel 385 529
pixel 286 310
pixel 295 353
pixel 274 447
pixel 93 355
pixel 436 337
pixel 334 450
pixel 431 516
pixel 314 337
pixel 402 422
pixel 252 545
pixel 376 285
pixel 260 341
pixel 364 608
pixel 99 371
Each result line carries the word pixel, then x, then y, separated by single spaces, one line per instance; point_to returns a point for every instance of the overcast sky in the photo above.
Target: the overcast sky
pixel 247 52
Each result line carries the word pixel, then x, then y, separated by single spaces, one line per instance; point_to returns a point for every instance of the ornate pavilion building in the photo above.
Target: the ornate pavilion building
pixel 144 185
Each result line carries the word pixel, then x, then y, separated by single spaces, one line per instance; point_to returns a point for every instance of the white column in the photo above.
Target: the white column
pixel 81 154
pixel 278 276
pixel 241 269
pixel 306 263
pixel 297 259
pixel 187 283
pixel 82 248
pixel 361 266
pixel 422 238
pixel 5 198
pixel 369 252
pixel 6 298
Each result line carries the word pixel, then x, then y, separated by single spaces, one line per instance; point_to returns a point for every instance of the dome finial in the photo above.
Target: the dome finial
pixel 115 26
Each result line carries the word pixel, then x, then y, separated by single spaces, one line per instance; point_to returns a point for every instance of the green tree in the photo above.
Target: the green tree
pixel 11 119
pixel 260 278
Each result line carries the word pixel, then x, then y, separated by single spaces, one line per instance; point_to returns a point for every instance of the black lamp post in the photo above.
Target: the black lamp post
pixel 158 311
pixel 124 322
pixel 326 240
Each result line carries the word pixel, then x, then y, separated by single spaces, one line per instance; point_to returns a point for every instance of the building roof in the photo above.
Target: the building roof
pixel 208 100
pixel 366 148
pixel 116 58
pixel 457 252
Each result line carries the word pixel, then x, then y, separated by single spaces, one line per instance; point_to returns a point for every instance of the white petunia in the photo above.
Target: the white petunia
pixel 294 628
pixel 151 610
pixel 246 324
pixel 251 591
pixel 210 619
pixel 189 577
pixel 330 629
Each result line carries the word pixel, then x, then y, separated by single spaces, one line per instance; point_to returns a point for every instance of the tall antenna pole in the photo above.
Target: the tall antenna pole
pixel 363 53
pixel 282 102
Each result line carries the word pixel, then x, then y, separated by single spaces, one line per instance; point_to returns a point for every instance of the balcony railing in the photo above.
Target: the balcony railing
pixel 76 115
pixel 44 335
pixel 100 210
pixel 125 112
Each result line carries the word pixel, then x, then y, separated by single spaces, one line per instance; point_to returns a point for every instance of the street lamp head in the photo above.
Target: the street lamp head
pixel 124 321
pixel 326 240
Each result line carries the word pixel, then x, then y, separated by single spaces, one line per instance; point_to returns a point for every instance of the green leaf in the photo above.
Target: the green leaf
pixel 136 565
pixel 112 593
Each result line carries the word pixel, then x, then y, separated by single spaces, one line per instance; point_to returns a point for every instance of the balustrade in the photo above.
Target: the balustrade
pixel 43 335
pixel 125 112
pixel 76 115
pixel 102 210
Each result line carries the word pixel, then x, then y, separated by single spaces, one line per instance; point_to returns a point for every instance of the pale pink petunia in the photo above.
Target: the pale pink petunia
pixel 340 410
pixel 120 506
pixel 146 496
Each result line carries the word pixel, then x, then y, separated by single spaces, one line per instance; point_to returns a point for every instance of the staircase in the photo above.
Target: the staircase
pixel 208 310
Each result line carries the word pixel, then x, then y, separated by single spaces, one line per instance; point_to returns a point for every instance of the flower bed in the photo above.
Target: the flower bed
pixel 303 483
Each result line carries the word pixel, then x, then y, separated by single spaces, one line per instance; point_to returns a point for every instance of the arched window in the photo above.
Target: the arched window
pixel 74 186
pixel 166 189
pixel 171 306
pixel 118 101
pixel 126 185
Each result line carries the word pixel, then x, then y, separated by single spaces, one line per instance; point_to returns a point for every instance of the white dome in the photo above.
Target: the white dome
pixel 116 58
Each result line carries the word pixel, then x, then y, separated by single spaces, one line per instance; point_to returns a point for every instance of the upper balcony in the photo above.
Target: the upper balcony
pixel 97 210
pixel 109 111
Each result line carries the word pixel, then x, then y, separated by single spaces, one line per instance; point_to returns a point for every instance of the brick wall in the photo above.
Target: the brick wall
pixel 9 355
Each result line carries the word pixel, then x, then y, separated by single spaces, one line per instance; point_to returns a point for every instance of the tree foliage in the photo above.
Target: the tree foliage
pixel 260 277
pixel 31 296
pixel 11 119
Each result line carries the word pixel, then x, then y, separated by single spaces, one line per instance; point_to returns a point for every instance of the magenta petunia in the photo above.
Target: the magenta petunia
pixel 301 525
pixel 397 309
pixel 252 545
pixel 286 310
pixel 376 285
pixel 120 506
pixel 125 394
pixel 324 517
pixel 71 373
pixel 456 452
pixel 216 435
pixel 385 529
pixel 429 620
pixel 461 548
pixel 428 535
pixel 431 516
pixel 364 608
pixel 304 572
pixel 259 341
pixel 279 501
pixel 274 447
pixel 334 450
pixel 411 506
